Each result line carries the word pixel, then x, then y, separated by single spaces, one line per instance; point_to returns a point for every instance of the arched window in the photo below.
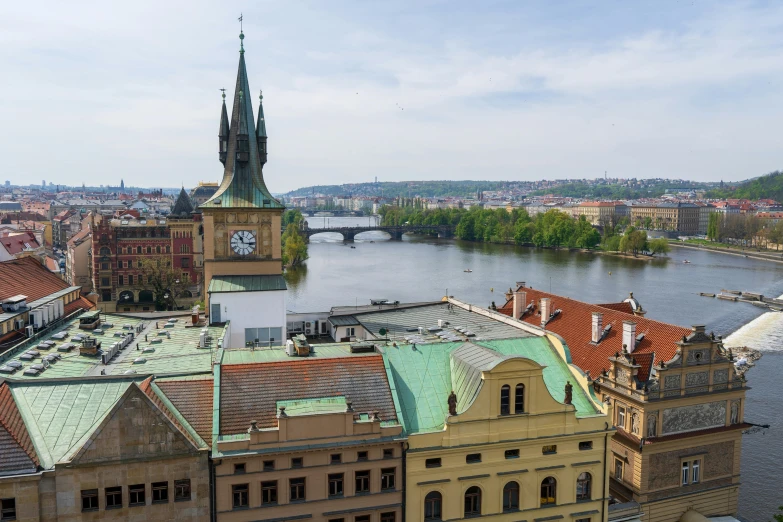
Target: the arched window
pixel 519 399
pixel 149 249
pixel 432 506
pixel 473 501
pixel 548 491
pixel 157 249
pixel 138 250
pixel 511 496
pixel 583 486
pixel 505 399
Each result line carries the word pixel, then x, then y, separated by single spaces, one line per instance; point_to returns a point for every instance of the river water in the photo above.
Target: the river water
pixel 424 269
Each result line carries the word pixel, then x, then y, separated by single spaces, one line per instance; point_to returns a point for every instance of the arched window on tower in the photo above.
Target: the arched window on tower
pixel 519 399
pixel 505 399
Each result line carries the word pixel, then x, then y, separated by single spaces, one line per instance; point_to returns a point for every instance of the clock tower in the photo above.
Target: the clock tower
pixel 243 272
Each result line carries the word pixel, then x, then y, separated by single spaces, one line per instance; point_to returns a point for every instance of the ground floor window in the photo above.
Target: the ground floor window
pixel 264 337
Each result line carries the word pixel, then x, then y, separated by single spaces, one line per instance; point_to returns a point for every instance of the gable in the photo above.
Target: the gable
pixel 135 429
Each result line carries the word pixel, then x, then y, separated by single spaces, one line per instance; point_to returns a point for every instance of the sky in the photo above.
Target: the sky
pixel 95 92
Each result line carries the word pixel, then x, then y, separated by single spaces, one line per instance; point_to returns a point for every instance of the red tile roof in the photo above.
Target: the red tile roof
pixel 146 387
pixel 16 447
pixel 193 399
pixel 18 242
pixel 78 304
pixel 250 391
pixel 27 276
pixel 574 324
pixel 619 307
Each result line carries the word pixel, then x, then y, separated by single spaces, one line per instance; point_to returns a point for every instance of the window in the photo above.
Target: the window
pixel 695 465
pixel 336 520
pixel 114 497
pixel 387 478
pixel 104 266
pixel 389 517
pixel 350 332
pixel 583 485
pixel 620 417
pixel 473 501
pixel 136 495
pixel 587 445
pixel 473 458
pixel 8 509
pixel 269 465
pixel 297 489
pixel 618 469
pixel 511 496
pixel 362 518
pixel 549 450
pixel 582 520
pixel 149 249
pixel 239 468
pixel 685 472
pixel 269 492
pixel 185 262
pixel 106 295
pixel 239 492
pixel 362 482
pixel 121 280
pixel 181 490
pixel 105 281
pixel 388 453
pixel 336 458
pixel 138 250
pixel 129 264
pixel 512 454
pixel 157 249
pixel 130 280
pixel 432 505
pixel 297 462
pixel 336 485
pixel 505 400
pixel 361 455
pixel 548 491
pixel 89 500
pixel 160 492
pixel 432 463
pixel 519 399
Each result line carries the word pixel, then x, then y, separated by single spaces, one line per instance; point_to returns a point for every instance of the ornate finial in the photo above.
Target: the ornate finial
pixel 223 95
pixel 260 95
pixel 241 34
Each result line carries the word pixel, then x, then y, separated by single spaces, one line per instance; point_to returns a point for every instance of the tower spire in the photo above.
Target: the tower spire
pixel 241 35
pixel 261 129
pixel 223 132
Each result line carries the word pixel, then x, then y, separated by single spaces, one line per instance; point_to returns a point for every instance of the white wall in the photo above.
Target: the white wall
pixel 251 310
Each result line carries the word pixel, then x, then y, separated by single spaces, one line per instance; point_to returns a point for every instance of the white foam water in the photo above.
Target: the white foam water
pixel 765 333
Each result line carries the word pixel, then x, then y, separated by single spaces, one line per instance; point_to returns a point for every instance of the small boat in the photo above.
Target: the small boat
pixel 353 246
pixel 686 262
pixel 468 270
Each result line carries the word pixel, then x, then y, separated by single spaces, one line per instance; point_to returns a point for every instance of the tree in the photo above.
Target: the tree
pixel 294 246
pixel 658 246
pixel 712 226
pixel 166 282
pixel 633 241
pixel 778 517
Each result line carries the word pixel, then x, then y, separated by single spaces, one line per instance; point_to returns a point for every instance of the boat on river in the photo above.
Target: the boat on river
pixel 468 270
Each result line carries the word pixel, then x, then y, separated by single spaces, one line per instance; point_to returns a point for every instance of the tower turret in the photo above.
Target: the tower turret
pixel 261 129
pixel 223 133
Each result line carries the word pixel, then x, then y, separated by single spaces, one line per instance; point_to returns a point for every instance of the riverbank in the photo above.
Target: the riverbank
pixel 763 256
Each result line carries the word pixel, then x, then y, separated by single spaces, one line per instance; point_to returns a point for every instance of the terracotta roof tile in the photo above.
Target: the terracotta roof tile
pixel 27 276
pixel 574 324
pixel 618 307
pixel 17 243
pixel 193 399
pixel 16 447
pixel 78 304
pixel 146 387
pixel 250 391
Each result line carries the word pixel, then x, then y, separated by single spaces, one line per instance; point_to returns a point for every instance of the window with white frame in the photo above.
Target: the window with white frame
pixel 685 472
pixel 620 417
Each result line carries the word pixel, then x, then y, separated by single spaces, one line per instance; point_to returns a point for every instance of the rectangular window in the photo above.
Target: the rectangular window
pixel 129 264
pixel 89 500
pixel 136 495
pixel 104 266
pixel 160 492
pixel 336 485
pixel 130 280
pixel 519 399
pixel 432 463
pixel 389 517
pixel 388 476
pixel 695 471
pixel 388 453
pixel 582 520
pixel 618 469
pixel 336 458
pixel 685 473
pixel 239 492
pixel 336 520
pixel 297 462
pixel 269 465
pixel 587 445
pixel 185 262
pixel 473 458
pixel 269 492
pixel 620 417
pixel 181 490
pixel 512 454
pixel 549 450
pixel 121 280
pixel 114 497
pixel 297 487
pixel 362 518
pixel 239 468
pixel 361 455
pixel 350 332
pixel 8 509
pixel 362 482
pixel 105 281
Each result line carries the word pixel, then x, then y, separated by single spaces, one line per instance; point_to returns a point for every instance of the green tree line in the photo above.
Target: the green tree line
pixel 745 230
pixel 769 186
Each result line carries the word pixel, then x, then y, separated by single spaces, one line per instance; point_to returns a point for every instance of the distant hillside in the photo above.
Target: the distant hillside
pixel 427 189
pixel 769 186
pixel 631 190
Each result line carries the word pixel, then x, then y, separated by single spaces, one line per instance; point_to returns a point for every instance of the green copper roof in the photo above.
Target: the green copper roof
pixel 243 182
pixel 246 283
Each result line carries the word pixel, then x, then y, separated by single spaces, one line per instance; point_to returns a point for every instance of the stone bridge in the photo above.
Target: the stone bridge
pixel 396 232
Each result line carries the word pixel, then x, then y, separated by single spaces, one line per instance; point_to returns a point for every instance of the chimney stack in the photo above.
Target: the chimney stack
pixel 629 335
pixel 598 325
pixel 545 310
pixel 520 284
pixel 519 304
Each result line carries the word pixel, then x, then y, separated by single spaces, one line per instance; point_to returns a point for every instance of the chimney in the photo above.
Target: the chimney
pixel 598 324
pixel 545 310
pixel 629 335
pixel 520 284
pixel 519 304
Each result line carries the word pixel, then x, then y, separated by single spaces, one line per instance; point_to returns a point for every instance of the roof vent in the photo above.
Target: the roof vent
pixel 363 348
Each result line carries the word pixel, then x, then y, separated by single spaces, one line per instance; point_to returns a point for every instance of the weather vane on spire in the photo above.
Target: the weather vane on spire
pixel 224 93
pixel 241 34
pixel 240 22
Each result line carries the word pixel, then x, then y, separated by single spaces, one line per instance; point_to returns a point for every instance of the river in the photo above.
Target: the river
pixel 422 269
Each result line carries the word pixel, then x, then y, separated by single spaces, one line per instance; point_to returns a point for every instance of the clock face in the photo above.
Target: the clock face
pixel 243 242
